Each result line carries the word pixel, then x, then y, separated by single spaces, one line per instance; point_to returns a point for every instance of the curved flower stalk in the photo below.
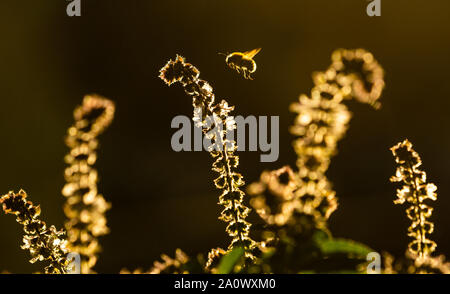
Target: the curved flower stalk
pixel 85 208
pixel 44 243
pixel 214 119
pixel 415 192
pixel 322 120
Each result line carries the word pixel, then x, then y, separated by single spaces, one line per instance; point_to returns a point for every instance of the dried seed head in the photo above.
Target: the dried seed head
pixel 415 191
pixel 208 114
pixel 85 208
pixel 44 243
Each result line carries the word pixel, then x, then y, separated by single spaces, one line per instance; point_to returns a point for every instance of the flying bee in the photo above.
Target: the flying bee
pixel 242 62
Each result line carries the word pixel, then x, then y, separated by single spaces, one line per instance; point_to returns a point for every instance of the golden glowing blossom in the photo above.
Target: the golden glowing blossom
pixel 357 73
pixel 415 191
pixel 225 159
pixel 428 264
pixel 85 208
pixel 44 243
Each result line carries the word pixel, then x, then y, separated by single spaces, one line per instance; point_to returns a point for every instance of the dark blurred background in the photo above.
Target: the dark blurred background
pixel 163 200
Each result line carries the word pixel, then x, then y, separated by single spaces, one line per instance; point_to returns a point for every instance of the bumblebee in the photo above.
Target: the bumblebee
pixel 243 62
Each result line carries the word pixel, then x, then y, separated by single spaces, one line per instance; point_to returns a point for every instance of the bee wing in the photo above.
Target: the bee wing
pixel 250 54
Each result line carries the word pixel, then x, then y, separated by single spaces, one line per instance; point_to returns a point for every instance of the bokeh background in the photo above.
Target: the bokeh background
pixel 163 200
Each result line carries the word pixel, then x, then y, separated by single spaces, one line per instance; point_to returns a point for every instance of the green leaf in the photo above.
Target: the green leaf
pixel 228 261
pixel 343 246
